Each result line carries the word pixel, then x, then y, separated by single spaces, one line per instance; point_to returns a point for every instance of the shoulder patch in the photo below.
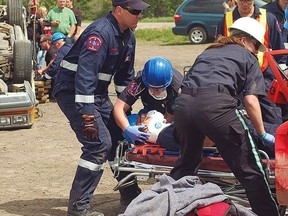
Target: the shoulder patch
pixel 94 42
pixel 134 88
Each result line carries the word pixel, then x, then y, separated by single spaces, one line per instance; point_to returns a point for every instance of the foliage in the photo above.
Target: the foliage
pixel 94 9
pixel 165 36
pixel 157 19
pixel 162 8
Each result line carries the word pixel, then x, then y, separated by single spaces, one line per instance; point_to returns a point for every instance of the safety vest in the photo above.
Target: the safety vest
pixel 262 18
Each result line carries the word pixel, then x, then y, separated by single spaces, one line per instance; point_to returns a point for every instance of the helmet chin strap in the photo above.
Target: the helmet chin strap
pixel 161 96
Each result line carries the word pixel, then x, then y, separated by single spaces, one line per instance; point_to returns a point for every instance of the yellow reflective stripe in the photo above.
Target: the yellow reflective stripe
pixel 89 165
pixel 263 22
pixel 229 22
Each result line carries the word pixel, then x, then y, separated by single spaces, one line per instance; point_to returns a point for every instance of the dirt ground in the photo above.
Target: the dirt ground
pixel 38 164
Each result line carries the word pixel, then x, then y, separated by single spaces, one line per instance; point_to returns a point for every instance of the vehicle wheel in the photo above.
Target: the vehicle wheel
pixel 22 59
pixel 197 35
pixel 15 13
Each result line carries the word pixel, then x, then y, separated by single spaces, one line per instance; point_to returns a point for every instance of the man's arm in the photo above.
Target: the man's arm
pixel 78 32
pixel 72 30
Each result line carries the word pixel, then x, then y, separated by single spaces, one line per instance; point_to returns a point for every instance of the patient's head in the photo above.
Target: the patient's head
pixel 153 121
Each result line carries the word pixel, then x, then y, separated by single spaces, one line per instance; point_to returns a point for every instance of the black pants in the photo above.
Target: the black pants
pixel 212 112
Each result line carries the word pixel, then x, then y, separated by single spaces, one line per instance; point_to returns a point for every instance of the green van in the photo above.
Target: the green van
pixel 199 18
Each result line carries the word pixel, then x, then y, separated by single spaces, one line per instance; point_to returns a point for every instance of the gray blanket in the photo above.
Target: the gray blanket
pixel 175 198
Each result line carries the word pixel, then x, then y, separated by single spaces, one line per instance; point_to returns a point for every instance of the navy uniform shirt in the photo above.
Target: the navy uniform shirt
pixel 57 59
pixel 232 66
pixel 279 13
pixel 136 89
pixel 101 53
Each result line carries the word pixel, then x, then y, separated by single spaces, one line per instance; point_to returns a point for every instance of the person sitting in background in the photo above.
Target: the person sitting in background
pixel 45 45
pixel 41 16
pixel 58 42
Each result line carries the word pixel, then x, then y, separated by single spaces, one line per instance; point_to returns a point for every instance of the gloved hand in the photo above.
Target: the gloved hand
pixel 267 139
pixel 90 127
pixel 134 133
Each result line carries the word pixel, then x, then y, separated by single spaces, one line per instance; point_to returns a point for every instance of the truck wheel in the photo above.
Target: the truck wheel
pixel 15 13
pixel 22 59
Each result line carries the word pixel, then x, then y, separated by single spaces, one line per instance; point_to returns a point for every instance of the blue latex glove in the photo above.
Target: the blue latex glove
pixel 134 133
pixel 267 139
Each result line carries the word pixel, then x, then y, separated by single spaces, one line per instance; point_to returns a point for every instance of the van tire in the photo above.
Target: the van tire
pixel 22 57
pixel 197 35
pixel 15 13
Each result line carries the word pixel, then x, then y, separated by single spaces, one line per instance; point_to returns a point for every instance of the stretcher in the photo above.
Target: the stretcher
pixel 147 162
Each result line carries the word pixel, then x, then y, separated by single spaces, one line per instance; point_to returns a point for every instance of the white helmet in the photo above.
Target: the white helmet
pixel 251 27
pixel 156 125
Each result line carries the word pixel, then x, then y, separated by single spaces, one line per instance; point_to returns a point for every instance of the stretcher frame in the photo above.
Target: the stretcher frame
pixel 148 173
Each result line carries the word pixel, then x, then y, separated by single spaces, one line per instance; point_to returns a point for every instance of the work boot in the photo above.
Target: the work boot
pixel 129 193
pixel 85 212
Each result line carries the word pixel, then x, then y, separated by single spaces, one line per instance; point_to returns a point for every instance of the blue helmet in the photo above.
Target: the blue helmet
pixel 286 18
pixel 57 36
pixel 157 73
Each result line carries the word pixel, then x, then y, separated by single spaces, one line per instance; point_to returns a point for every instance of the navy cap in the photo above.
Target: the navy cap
pixel 134 4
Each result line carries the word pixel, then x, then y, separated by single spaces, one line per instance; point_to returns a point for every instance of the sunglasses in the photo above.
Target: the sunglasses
pixel 256 43
pixel 133 11
pixel 247 1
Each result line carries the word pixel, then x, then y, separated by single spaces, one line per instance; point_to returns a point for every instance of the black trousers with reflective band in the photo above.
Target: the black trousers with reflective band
pixel 214 114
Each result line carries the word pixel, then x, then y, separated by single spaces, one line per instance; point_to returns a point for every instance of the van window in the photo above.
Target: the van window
pixel 204 6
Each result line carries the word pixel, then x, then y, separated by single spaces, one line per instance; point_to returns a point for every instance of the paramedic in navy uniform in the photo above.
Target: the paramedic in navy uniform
pixel 105 49
pixel 157 85
pixel 208 106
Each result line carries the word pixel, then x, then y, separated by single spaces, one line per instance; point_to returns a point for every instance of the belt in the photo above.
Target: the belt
pixel 205 90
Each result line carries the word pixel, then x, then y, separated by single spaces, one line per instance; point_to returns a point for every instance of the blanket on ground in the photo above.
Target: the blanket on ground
pixel 177 198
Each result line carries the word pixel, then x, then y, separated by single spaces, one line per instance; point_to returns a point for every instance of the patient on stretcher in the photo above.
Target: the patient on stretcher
pixel 160 132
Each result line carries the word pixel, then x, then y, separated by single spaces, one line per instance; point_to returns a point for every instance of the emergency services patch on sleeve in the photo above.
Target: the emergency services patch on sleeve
pixel 134 88
pixel 94 43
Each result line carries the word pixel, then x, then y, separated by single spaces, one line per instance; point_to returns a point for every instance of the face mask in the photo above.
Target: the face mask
pixel 160 96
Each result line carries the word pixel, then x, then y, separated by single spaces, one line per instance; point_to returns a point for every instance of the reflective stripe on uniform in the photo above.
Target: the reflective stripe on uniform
pixel 73 67
pixel 84 98
pixel 89 165
pixel 254 150
pixel 119 88
pixel 105 77
pixel 68 65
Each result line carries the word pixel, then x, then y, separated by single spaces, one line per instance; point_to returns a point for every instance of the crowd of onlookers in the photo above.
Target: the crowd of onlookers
pixel 43 24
